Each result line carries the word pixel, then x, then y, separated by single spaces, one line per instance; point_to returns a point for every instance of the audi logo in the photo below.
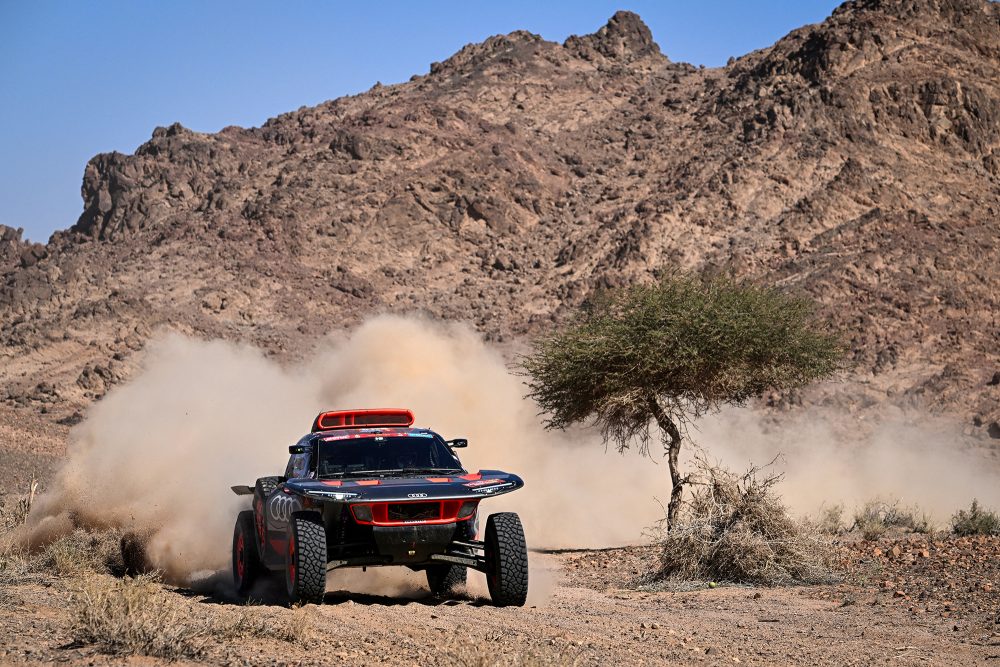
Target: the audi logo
pixel 281 507
pixel 416 495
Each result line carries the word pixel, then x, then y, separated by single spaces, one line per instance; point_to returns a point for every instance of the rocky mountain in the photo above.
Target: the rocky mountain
pixel 856 160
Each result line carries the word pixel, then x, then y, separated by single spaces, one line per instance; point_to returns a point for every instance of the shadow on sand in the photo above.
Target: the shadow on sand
pixel 218 589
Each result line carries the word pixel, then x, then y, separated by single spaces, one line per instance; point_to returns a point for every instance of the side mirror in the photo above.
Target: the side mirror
pixel 458 442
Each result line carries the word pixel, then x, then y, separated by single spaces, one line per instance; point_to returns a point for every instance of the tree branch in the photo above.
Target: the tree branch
pixel 672 444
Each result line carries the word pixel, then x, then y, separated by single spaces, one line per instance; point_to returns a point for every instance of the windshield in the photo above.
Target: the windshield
pixel 384 455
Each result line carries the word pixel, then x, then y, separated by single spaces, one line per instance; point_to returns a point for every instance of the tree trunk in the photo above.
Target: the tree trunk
pixel 672 445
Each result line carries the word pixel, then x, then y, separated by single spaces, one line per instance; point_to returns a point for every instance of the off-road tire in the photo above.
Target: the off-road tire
pixel 305 559
pixel 506 560
pixel 247 567
pixel 265 485
pixel 261 490
pixel 445 580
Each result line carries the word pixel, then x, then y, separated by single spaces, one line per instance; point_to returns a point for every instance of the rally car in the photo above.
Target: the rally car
pixel 365 488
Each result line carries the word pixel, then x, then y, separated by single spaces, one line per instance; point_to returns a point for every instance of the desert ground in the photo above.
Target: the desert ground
pixel 903 598
pixel 913 609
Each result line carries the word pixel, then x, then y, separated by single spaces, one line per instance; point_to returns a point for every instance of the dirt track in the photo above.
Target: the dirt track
pixel 583 621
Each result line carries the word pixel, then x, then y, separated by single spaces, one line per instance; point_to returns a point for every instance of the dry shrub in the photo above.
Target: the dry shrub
pixel 975 521
pixel 16 564
pixel 735 529
pixel 468 653
pixel 14 515
pixel 133 617
pixel 69 554
pixel 877 516
pixel 81 552
pixel 78 553
pixel 15 568
pixel 830 520
pixel 68 550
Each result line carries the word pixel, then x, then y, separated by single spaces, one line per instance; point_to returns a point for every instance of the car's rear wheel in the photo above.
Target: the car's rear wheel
pixel 246 563
pixel 446 579
pixel 506 560
pixel 305 559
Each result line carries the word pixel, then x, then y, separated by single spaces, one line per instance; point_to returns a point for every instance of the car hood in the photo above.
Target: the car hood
pixel 480 484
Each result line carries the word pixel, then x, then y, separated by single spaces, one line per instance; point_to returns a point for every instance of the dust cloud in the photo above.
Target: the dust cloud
pixel 830 458
pixel 157 455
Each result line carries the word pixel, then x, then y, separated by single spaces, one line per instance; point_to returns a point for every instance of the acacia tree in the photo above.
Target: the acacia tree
pixel 668 352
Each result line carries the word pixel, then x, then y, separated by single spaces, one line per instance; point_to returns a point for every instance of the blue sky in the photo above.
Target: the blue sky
pixel 81 78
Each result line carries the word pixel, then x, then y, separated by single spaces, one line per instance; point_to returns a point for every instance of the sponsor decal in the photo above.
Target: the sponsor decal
pixel 378 434
pixel 483 482
pixel 348 436
pixel 280 507
pixel 416 495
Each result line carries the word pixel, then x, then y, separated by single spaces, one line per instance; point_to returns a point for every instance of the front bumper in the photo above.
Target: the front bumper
pixel 412 544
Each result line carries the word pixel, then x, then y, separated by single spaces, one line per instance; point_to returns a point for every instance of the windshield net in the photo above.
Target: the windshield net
pixel 385 454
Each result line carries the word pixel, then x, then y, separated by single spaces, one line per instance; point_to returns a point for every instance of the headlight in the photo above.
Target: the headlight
pixel 468 509
pixel 362 513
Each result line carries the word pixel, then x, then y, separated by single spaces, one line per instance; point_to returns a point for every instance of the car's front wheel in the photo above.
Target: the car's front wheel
pixel 506 560
pixel 305 559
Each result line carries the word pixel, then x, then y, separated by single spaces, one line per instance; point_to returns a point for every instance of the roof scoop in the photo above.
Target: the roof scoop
pixel 368 418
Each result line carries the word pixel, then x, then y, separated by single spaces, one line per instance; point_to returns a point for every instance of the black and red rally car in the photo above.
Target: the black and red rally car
pixel 364 488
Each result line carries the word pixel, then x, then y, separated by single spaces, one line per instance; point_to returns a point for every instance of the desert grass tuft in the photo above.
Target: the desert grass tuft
pixel 469 653
pixel 138 616
pixel 878 516
pixel 81 552
pixel 977 520
pixel 133 616
pixel 253 622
